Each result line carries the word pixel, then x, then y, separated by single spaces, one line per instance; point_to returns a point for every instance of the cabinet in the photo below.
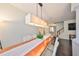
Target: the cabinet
pixel 75 42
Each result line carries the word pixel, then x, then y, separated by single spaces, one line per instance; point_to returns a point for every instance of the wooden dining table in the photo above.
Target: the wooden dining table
pixel 32 48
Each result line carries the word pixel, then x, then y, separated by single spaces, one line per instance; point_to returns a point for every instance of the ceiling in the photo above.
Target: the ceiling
pixel 51 12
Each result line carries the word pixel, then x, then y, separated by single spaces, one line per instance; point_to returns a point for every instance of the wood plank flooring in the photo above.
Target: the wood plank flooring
pixel 65 48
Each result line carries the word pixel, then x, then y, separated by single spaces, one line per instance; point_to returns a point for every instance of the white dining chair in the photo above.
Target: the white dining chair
pixel 55 47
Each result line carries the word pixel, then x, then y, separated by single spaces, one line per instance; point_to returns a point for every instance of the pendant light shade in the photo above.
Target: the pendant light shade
pixel 36 21
pixel 40 4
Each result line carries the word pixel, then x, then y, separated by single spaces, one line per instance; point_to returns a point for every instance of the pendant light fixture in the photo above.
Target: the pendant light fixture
pixel 35 20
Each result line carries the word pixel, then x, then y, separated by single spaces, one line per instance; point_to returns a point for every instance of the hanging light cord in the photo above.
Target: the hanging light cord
pixel 36 9
pixel 41 11
pixel 40 4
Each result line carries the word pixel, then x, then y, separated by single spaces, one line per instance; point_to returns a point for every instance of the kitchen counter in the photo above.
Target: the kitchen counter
pixel 25 48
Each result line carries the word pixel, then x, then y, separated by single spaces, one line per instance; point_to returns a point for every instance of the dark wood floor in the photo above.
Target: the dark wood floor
pixel 64 48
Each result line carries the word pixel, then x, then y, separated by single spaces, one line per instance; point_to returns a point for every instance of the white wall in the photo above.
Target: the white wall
pixel 65 34
pixel 77 25
pixel 66 31
pixel 75 48
pixel 75 42
pixel 13 32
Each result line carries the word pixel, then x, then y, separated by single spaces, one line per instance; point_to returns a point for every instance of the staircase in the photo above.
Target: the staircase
pixel 60 32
